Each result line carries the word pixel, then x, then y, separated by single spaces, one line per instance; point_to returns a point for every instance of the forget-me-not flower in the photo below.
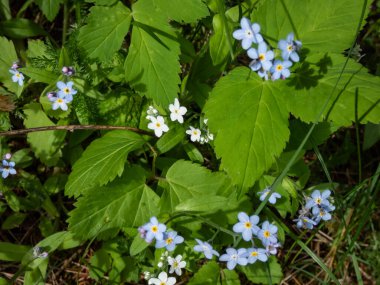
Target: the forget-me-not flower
pixel 247 226
pixel 305 222
pixel 280 69
pixel 7 168
pixel 206 248
pixel 262 58
pixel 272 248
pixel 248 34
pixel 234 257
pixel 272 199
pixel 289 48
pixel 154 230
pixel 177 112
pixel 59 102
pixel 254 254
pixel 267 234
pixel 17 76
pixel 66 90
pixel 158 125
pixel 170 240
pixel 318 199
pixel 176 264
pixel 320 214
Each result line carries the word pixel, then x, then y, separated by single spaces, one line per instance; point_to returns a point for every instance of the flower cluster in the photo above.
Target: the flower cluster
pixel 63 96
pixel 318 207
pixel 273 197
pixel 201 136
pixel 263 59
pixel 17 75
pixel 7 166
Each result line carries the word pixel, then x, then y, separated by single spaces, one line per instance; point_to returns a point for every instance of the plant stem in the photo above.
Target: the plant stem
pixel 72 128
pixel 65 21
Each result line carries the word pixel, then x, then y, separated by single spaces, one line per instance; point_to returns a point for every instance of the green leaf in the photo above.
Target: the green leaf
pixel 138 245
pixel 12 252
pixel 105 31
pixel 188 11
pixel 21 28
pixel 207 275
pixel 313 88
pixel 170 139
pixel 8 55
pixel 46 145
pixel 219 47
pixel 200 204
pixel 124 203
pixel 257 272
pixel 50 8
pixel 152 66
pixel 193 153
pixel 254 131
pixel 188 180
pixel 13 221
pixel 229 277
pixel 102 2
pixel 39 75
pixel 102 161
pixel 371 135
pixel 322 26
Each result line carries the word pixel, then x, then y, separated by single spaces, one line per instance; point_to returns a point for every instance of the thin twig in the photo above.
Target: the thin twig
pixel 72 128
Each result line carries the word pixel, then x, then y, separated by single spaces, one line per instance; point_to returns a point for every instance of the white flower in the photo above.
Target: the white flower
pixel 152 112
pixel 176 264
pixel 177 111
pixel 17 77
pixel 158 125
pixel 162 279
pixel 160 264
pixel 210 136
pixel 195 134
pixel 60 103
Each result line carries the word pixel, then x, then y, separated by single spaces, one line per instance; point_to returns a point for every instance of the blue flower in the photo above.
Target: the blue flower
pixel 272 199
pixel 267 234
pixel 318 199
pixel 170 240
pixel 206 248
pixel 7 168
pixel 289 48
pixel 272 248
pixel 234 257
pixel 247 225
pixel 254 254
pixel 59 102
pixel 262 59
pixel 17 76
pixel 280 69
pixel 154 230
pixel 320 214
pixel 66 90
pixel 264 74
pixel 305 222
pixel 249 33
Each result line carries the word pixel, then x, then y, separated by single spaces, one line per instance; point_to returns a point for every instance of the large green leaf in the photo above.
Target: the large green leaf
pixel 249 118
pixel 126 202
pixel 207 275
pixel 21 28
pixel 152 65
pixel 8 55
pixel 50 8
pixel 102 161
pixel 12 252
pixel 188 11
pixel 189 180
pixel 258 274
pixel 322 26
pixel 46 145
pixel 105 30
pixel 313 88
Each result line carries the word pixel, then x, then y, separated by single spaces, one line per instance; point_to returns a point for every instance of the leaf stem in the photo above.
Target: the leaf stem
pixel 72 128
pixel 65 21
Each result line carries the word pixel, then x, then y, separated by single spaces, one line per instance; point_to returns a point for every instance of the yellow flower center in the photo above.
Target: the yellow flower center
pixel 158 125
pixel 318 201
pixel 254 253
pixel 262 57
pixel 154 229
pixel 266 234
pixel 66 90
pixel 290 48
pixel 195 133
pixel 162 283
pixel 169 240
pixel 279 67
pixel 18 75
pixel 321 213
pixel 59 100
pixel 248 225
pixel 175 264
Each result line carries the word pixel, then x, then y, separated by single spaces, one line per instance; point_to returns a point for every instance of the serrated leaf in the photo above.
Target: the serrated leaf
pixel 254 130
pixel 152 65
pixel 257 273
pixel 322 26
pixel 50 8
pixel 46 145
pixel 188 180
pixel 207 275
pixel 8 55
pixel 102 161
pixel 188 11
pixel 105 30
pixel 313 89
pixel 126 202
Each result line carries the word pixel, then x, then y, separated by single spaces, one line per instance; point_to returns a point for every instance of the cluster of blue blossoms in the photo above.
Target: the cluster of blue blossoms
pixel 65 93
pixel 317 208
pixel 265 237
pixel 17 76
pixel 7 166
pixel 263 59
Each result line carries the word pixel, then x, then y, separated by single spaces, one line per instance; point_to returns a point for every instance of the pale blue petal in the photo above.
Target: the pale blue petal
pixel 13 172
pixel 254 219
pixel 238 228
pixel 286 73
pixel 245 23
pixel 256 65
pixel 224 257
pixel 246 43
pixel 262 47
pixel 231 264
pixel 12 164
pixel 252 53
pixel 243 217
pixel 269 55
pixel 287 63
pixel 256 28
pixel 239 34
pixel 282 45
pixel 266 66
pixel 326 194
pixel 247 235
pixel 290 37
pixel 61 85
pixel 294 56
pixel 258 38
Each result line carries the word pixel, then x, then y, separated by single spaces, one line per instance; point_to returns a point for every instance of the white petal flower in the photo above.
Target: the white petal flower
pixel 158 125
pixel 162 279
pixel 176 264
pixel 177 111
pixel 195 134
pixel 17 77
